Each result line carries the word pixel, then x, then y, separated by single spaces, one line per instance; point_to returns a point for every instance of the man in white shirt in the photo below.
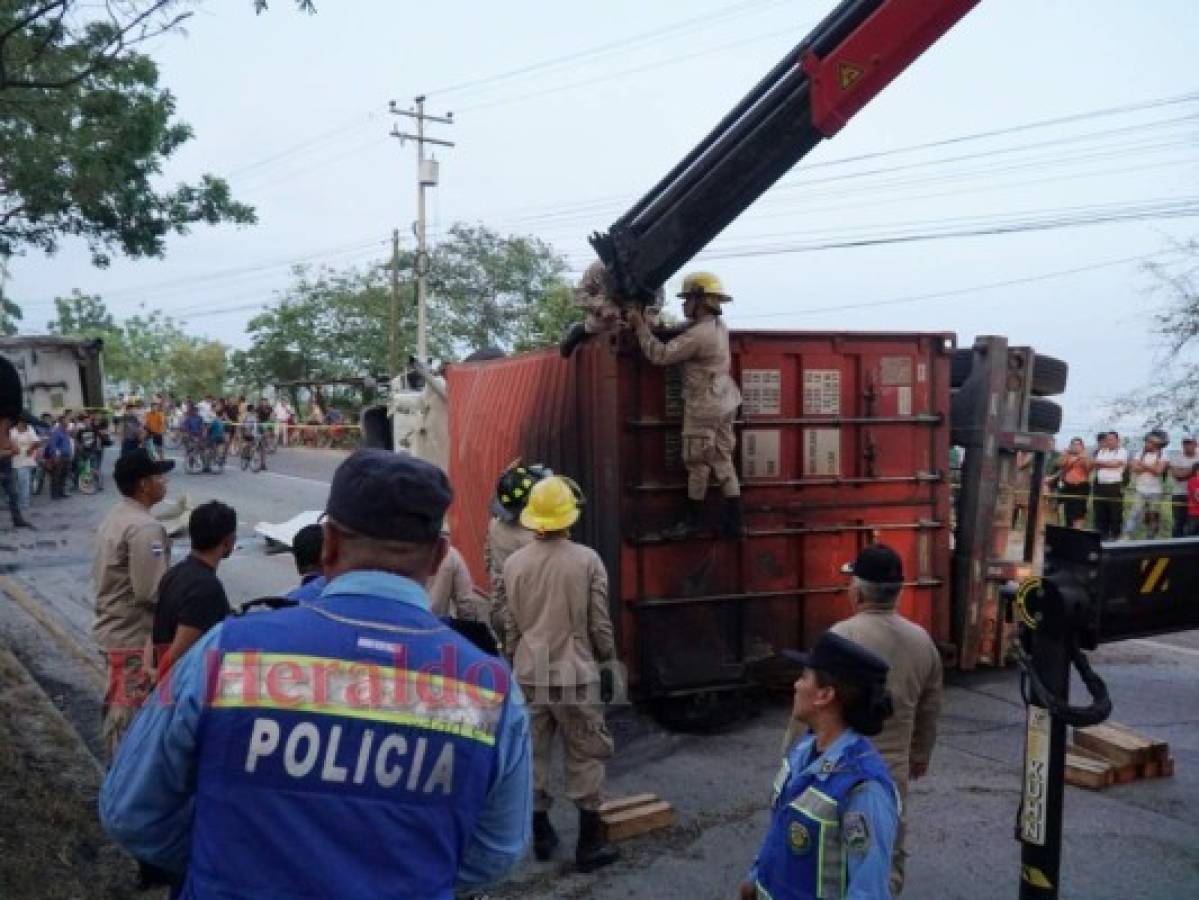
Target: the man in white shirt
pixel 26 442
pixel 1182 463
pixel 282 419
pixel 1147 470
pixel 1108 496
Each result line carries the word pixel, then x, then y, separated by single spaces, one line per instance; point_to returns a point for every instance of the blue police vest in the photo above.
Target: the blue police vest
pixel 803 855
pixel 346 751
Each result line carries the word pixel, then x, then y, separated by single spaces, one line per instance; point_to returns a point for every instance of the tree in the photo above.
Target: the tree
pixel 489 289
pixel 195 368
pixel 1174 397
pixel 552 314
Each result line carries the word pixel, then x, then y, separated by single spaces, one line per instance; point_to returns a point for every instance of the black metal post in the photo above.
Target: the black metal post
pixel 1040 826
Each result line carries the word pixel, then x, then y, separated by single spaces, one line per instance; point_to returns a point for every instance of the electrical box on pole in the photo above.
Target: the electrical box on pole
pixel 428 172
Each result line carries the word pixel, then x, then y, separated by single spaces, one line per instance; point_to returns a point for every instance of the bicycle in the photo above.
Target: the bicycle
pixel 87 479
pixel 253 453
pixel 197 459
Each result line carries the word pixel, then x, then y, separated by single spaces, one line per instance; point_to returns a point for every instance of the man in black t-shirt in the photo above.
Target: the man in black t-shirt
pixel 191 598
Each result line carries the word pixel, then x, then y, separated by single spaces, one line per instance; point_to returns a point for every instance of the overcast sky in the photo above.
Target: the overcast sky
pixel 293 110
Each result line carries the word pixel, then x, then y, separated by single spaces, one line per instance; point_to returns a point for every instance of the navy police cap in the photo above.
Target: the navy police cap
pixel 389 496
pixel 841 657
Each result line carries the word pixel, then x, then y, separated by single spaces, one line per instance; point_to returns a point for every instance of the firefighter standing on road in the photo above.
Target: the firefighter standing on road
pixel 914 681
pixel 710 399
pixel 505 534
pixel 559 628
pixel 133 552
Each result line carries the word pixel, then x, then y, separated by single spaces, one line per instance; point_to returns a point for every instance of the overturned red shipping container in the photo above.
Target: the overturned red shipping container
pixel 842 439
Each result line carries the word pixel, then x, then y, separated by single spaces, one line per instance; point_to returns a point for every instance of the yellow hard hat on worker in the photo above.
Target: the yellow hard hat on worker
pixel 553 505
pixel 705 287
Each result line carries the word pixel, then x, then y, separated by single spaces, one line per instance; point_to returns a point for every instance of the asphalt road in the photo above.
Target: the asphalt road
pixel 1136 840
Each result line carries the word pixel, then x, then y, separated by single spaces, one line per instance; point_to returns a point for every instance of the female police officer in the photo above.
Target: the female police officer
pixel 835 810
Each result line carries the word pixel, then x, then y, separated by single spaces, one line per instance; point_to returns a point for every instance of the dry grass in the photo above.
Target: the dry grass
pixel 51 844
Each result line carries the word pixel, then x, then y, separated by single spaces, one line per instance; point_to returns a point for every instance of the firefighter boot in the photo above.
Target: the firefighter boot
pixel 732 523
pixel 688 525
pixel 592 852
pixel 575 336
pixel 545 839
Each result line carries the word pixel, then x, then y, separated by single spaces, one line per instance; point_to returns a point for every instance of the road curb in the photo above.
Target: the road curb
pixel 24 597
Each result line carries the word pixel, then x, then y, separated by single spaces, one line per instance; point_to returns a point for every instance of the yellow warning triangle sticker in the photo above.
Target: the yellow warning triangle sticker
pixel 848 75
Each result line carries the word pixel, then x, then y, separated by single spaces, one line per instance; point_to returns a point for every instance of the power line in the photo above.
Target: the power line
pixel 573 59
pixel 958 292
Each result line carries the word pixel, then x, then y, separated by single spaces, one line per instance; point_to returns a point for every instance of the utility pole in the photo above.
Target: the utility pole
pixel 393 336
pixel 426 176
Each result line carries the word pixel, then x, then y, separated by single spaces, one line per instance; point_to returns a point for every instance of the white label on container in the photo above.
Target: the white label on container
pixel 822 451
pixel 760 453
pixel 822 392
pixel 761 392
pixel 895 370
pixel 1036 777
pixel 905 401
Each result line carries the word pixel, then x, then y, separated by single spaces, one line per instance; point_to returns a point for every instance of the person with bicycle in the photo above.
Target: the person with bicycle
pixel 253 438
pixel 215 443
pixel 56 459
pixel 89 455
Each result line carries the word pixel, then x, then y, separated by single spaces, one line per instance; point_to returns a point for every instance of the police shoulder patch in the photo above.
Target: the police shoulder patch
pixel 798 838
pixel 855 831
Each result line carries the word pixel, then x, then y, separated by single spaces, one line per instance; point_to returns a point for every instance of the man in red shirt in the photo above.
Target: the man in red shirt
pixel 1192 529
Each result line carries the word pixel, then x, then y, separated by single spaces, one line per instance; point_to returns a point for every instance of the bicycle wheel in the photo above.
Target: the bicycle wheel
pixel 272 441
pixel 87 481
pixel 247 456
pixel 258 459
pixel 195 461
pixel 37 480
pixel 219 459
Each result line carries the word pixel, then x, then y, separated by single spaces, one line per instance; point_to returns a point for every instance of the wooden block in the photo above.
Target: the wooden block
pixel 619 826
pixel 619 804
pixel 1151 769
pixel 1125 774
pixel 1119 748
pixel 1084 772
pixel 1086 753
pixel 1158 751
pixel 1167 768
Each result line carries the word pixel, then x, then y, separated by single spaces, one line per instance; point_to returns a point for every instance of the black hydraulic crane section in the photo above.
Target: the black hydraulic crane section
pixel 1091 593
pixel 859 48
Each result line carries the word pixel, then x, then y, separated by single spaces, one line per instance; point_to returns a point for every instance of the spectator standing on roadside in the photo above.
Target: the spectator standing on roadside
pixel 56 459
pixel 191 599
pixel 1110 463
pixel 131 431
pixel 1192 529
pixel 8 449
pixel 156 427
pixel 25 442
pixel 282 419
pixel 1074 482
pixel 1147 470
pixel 306 547
pixel 90 440
pixel 1182 464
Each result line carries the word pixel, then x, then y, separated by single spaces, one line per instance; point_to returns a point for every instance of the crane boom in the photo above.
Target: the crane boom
pixel 855 52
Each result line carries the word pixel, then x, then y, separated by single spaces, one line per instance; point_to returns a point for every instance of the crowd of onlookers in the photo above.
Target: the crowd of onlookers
pixel 66 451
pixel 1116 490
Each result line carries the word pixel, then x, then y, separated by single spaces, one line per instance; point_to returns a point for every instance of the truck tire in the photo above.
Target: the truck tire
pixel 960 365
pixel 1044 416
pixel 1048 375
pixel 707 712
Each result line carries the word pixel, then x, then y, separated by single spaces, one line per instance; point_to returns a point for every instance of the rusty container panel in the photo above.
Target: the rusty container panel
pixel 842 439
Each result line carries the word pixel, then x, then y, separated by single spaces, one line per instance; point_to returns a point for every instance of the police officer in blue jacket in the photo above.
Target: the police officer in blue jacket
pixel 835 811
pixel 356 747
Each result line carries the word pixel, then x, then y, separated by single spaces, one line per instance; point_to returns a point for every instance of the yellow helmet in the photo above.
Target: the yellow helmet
pixel 705 286
pixel 553 505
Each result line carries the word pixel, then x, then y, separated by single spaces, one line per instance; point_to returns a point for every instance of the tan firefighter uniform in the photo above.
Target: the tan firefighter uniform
pixel 451 589
pixel 132 554
pixel 503 539
pixel 710 401
pixel 915 685
pixel 559 625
